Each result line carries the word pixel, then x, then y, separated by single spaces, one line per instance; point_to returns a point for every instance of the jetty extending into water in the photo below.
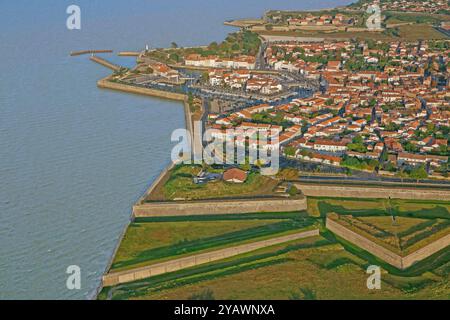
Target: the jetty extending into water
pixel 129 54
pixel 105 63
pixel 81 52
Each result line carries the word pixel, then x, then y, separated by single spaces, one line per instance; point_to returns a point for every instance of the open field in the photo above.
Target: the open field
pixel 178 184
pixel 147 242
pixel 313 268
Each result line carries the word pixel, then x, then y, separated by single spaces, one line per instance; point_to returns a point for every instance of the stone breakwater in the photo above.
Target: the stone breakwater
pixel 106 83
pixel 215 207
pixel 384 254
pixel 114 278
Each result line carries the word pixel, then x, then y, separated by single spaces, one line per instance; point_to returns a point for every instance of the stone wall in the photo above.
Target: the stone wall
pixel 323 190
pixel 115 278
pixel 214 207
pixel 426 251
pixel 364 243
pixel 106 84
pixel 383 253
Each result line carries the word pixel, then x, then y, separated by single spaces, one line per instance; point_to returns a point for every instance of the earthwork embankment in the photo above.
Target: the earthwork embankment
pixel 219 206
pixel 386 255
pixel 115 278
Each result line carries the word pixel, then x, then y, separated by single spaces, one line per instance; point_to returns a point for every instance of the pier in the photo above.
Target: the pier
pixel 129 54
pixel 105 63
pixel 81 52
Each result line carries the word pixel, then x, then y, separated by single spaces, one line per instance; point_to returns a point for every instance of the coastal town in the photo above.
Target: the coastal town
pixel 378 107
pixel 361 124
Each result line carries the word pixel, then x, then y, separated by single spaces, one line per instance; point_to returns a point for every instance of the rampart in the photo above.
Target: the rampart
pixel 214 207
pixel 386 255
pixel 115 278
pixel 406 193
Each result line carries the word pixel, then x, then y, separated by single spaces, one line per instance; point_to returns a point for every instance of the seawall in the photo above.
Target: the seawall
pixel 107 84
pixel 215 207
pixel 323 190
pixel 115 278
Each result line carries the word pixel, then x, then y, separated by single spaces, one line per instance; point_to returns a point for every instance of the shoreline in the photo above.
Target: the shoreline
pixel 104 83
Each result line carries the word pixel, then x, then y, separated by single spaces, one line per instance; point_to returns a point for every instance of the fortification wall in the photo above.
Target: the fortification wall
pixel 115 278
pixel 383 253
pixel 426 251
pixel 322 190
pixel 190 208
pixel 364 243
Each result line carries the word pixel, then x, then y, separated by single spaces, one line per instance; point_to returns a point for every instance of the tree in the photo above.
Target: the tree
pixel 205 76
pixel 175 57
pixel 418 173
pixel 411 147
pixel 174 45
pixel 289 151
pixel 293 191
pixel 245 167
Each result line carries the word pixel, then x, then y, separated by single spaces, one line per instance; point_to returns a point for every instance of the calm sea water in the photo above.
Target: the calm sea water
pixel 73 158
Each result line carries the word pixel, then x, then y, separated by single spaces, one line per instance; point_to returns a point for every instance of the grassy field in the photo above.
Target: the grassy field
pixel 313 268
pixel 322 267
pixel 147 242
pixel 179 185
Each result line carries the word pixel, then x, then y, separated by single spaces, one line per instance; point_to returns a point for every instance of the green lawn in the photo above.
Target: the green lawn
pixel 179 185
pixel 316 267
